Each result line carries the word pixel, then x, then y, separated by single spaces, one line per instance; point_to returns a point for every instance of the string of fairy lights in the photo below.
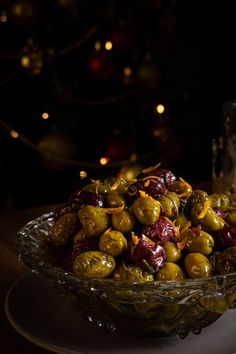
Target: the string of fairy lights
pixel 104 161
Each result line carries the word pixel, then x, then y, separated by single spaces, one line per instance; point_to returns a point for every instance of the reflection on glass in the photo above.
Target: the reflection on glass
pixel 224 154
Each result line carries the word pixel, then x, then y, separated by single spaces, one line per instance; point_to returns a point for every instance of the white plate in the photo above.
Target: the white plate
pixel 38 313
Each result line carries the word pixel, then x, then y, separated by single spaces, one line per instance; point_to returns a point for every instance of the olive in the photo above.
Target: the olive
pixel 64 228
pixel 123 186
pixel 94 220
pixel 165 176
pixel 231 299
pixel 197 265
pixel 170 271
pixel 214 304
pixel 219 200
pixel 189 234
pixel 219 212
pixel 146 253
pixel 202 243
pixel 225 238
pixel 225 262
pixel 161 231
pixel 114 200
pixel 125 272
pixel 94 264
pixel 181 187
pixel 97 187
pixel 181 220
pixel 62 209
pixel 79 199
pixel 173 254
pixel 170 203
pixel 197 196
pixel 231 218
pixel 86 243
pixel 79 235
pixel 208 218
pixel 112 242
pixel 123 221
pixel 146 209
pixel 154 187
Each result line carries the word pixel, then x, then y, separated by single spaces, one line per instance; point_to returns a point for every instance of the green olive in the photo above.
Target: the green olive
pixel 219 200
pixel 94 220
pixel 114 200
pixel 170 271
pixel 210 221
pixel 146 209
pixel 173 254
pixel 197 196
pixel 225 262
pixel 202 243
pixel 214 304
pixel 79 235
pixel 197 265
pixel 123 186
pixel 180 220
pixel 112 242
pixel 230 299
pixel 94 264
pixel 170 203
pixel 181 187
pixel 64 228
pixel 123 221
pixel 126 272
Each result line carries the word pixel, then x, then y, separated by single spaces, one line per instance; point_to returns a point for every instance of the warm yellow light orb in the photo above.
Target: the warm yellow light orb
pixel 127 71
pixel 83 174
pixel 45 115
pixel 104 160
pixel 14 134
pixel 25 61
pixel 97 45
pixel 108 45
pixel 160 108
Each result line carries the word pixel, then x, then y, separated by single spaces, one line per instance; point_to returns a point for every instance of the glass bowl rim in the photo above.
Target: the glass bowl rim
pixel 36 264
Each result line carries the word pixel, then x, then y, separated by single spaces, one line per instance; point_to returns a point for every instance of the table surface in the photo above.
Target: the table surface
pixel 10 270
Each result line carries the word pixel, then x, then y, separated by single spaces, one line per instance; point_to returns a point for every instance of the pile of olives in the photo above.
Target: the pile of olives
pixel 155 227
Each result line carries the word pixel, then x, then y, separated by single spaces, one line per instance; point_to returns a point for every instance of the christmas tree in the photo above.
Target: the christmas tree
pixel 90 87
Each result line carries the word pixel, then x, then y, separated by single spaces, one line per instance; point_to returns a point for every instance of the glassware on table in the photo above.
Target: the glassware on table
pixel 157 308
pixel 224 154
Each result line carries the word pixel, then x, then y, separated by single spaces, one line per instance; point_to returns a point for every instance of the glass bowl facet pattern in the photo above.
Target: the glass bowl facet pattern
pixel 158 308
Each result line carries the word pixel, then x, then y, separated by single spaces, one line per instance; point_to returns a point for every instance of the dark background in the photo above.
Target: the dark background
pixel 179 54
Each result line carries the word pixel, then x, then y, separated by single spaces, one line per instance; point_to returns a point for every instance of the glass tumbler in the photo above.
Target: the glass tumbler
pixel 224 154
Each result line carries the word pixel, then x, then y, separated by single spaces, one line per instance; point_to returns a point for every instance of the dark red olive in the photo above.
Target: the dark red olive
pixel 85 244
pixel 160 231
pixel 151 186
pixel 81 198
pixel 219 212
pixel 62 209
pixel 77 200
pixel 166 176
pixel 226 237
pixel 146 253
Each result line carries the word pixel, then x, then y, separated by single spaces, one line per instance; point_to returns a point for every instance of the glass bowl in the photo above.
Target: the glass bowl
pixel 158 308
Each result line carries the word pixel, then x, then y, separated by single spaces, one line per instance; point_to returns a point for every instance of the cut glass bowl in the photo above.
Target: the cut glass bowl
pixel 158 308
